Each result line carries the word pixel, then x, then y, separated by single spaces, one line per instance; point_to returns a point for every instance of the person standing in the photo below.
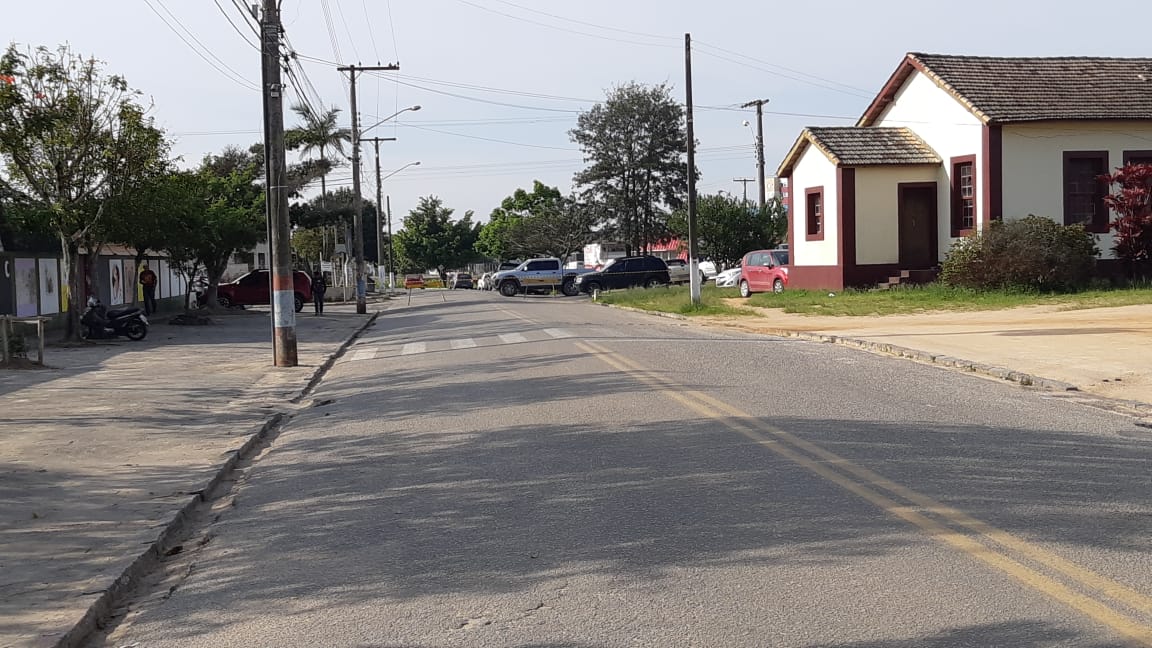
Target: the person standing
pixel 148 281
pixel 319 287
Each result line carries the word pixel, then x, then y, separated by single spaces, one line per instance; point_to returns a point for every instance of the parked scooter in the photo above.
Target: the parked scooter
pixel 99 323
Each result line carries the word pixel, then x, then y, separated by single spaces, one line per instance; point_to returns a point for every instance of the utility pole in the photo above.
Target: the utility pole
pixel 693 257
pixel 357 201
pixel 759 103
pixel 391 265
pixel 283 286
pixel 379 210
pixel 744 181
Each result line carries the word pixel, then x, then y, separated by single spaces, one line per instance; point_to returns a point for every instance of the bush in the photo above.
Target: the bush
pixel 1034 253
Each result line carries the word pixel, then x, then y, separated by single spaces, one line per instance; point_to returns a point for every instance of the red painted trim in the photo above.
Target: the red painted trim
pixel 819 234
pixel 283 283
pixel 792 225
pixel 954 213
pixel 1099 224
pixel 1144 156
pixel 992 145
pixel 815 277
pixel 846 215
pixel 888 93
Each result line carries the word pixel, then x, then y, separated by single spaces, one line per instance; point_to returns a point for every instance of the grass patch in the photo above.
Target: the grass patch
pixel 675 299
pixel 937 297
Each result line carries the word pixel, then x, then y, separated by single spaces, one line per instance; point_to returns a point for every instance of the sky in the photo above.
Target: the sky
pixel 501 82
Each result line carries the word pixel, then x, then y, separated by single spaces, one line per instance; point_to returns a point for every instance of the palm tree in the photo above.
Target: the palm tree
pixel 319 133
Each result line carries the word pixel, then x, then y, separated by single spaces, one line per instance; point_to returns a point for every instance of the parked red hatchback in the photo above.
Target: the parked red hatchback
pixel 763 271
pixel 253 289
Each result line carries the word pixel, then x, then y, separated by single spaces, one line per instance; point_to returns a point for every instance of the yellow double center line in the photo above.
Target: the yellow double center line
pixel 958 529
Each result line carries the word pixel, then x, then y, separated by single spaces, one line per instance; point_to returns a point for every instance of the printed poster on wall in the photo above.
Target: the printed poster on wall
pixel 130 280
pixel 27 287
pixel 49 286
pixel 116 282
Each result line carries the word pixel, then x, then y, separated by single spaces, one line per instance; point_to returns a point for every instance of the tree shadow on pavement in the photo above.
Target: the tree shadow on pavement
pixel 1014 635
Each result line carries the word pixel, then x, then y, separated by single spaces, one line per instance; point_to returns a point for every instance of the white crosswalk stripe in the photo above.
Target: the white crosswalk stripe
pixel 512 338
pixel 365 354
pixel 466 343
pixel 558 333
pixel 413 348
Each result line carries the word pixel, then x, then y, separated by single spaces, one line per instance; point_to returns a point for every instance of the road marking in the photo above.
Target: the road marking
pixel 789 446
pixel 365 354
pixel 512 338
pixel 466 343
pixel 558 333
pixel 413 348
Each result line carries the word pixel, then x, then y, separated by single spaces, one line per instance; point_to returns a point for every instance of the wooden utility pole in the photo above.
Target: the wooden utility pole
pixel 744 181
pixel 693 255
pixel 759 103
pixel 357 200
pixel 280 242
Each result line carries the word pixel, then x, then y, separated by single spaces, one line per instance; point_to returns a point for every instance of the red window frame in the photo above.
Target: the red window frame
pixel 963 195
pixel 814 213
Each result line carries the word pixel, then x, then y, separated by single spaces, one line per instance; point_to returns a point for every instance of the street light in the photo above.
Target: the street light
pixel 410 108
pixel 380 230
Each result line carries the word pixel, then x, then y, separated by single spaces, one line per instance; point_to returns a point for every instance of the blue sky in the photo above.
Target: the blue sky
pixel 501 82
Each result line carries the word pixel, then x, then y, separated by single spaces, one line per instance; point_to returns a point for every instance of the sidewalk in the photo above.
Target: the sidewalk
pixel 99 454
pixel 1102 351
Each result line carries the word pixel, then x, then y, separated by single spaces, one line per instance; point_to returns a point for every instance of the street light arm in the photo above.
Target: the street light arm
pixel 410 164
pixel 412 108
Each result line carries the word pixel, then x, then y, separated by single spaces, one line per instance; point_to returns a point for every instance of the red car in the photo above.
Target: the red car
pixel 763 271
pixel 253 289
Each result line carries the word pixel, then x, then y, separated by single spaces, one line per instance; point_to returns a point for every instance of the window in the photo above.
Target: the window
pixel 814 199
pixel 1137 157
pixel 541 266
pixel 260 260
pixel 1084 191
pixel 963 195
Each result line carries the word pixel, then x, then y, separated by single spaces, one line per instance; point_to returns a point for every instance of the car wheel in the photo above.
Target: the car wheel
pixel 778 286
pixel 745 289
pixel 224 301
pixel 593 288
pixel 569 287
pixel 135 330
pixel 298 302
pixel 508 288
pixel 652 283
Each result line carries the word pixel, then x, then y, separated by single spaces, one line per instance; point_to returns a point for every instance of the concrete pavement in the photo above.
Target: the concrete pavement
pixel 103 451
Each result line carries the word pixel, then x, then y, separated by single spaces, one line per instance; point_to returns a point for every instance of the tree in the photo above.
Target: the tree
pixel 540 222
pixel 1132 202
pixel 726 228
pixel 337 211
pixel 634 142
pixel 430 239
pixel 319 133
pixel 72 138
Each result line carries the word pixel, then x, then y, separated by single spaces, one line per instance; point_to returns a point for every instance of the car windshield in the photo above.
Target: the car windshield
pixel 781 256
pixel 609 264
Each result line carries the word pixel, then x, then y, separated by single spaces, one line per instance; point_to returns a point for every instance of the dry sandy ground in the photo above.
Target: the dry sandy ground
pixel 1103 351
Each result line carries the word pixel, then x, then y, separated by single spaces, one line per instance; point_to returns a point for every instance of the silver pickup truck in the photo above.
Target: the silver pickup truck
pixel 538 276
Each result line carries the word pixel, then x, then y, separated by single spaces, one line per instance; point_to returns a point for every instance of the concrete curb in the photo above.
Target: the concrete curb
pixel 95 618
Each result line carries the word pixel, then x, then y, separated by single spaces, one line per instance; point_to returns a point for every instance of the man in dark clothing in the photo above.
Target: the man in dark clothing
pixel 319 287
pixel 148 281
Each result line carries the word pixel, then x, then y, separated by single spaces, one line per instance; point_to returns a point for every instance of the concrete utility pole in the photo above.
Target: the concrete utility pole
pixel 744 181
pixel 357 201
pixel 283 287
pixel 379 212
pixel 391 265
pixel 693 255
pixel 759 103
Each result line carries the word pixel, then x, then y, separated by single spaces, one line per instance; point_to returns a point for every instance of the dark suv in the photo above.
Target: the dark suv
pixel 626 272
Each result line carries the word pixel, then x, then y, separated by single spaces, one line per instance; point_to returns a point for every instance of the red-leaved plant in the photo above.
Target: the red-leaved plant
pixel 1132 202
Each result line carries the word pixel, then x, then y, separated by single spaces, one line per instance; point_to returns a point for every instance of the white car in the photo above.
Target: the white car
pixel 730 278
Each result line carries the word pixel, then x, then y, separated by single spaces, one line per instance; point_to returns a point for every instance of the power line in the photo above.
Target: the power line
pixel 782 67
pixel 588 24
pixel 490 139
pixel 798 79
pixel 485 101
pixel 238 31
pixel 340 10
pixel 371 32
pixel 563 29
pixel 222 68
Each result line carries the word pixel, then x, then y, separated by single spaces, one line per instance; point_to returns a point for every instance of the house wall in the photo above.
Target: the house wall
pixel 814 170
pixel 1034 163
pixel 952 131
pixel 877 210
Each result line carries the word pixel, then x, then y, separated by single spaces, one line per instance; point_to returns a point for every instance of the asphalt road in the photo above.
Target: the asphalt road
pixel 546 473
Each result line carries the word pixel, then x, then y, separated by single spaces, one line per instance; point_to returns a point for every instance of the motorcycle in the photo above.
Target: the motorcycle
pixel 99 323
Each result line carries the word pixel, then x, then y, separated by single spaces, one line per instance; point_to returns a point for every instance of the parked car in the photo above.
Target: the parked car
pixel 462 280
pixel 414 281
pixel 763 271
pixel 707 270
pixel 730 278
pixel 543 275
pixel 678 271
pixel 626 272
pixel 254 289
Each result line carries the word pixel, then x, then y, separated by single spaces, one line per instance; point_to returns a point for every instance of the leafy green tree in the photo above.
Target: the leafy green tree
pixel 72 138
pixel 431 239
pixel 540 222
pixel 727 228
pixel 337 212
pixel 634 141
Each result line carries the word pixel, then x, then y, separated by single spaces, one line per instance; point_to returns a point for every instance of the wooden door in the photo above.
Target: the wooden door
pixel 917 214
